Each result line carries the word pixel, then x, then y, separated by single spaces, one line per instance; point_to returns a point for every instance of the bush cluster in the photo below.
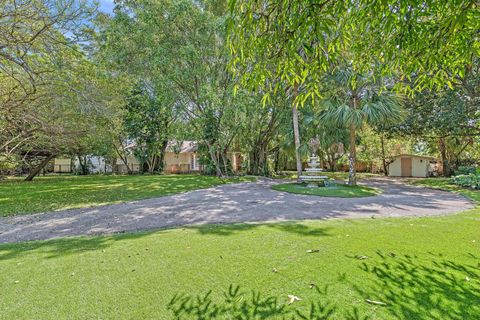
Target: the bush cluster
pixel 465 170
pixel 470 180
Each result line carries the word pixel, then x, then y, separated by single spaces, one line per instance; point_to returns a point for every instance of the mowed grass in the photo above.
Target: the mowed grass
pixel 420 268
pixel 66 192
pixel 333 190
pixel 445 184
pixel 411 268
pixel 337 175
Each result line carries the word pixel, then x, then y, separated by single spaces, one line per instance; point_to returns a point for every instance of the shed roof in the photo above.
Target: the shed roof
pixel 416 156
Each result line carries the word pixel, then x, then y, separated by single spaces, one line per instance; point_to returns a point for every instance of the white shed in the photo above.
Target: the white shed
pixel 409 165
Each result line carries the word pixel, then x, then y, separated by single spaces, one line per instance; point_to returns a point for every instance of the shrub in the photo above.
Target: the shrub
pixel 465 170
pixel 471 180
pixel 8 163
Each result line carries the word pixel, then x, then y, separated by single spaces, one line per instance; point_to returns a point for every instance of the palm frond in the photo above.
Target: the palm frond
pixel 385 108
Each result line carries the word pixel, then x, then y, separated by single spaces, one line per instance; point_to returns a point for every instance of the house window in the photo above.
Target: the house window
pixel 193 162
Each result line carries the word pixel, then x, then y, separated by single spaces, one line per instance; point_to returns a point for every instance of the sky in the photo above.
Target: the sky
pixel 106 6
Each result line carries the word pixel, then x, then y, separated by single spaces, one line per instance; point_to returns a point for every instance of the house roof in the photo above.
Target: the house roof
pixel 173 146
pixel 415 156
pixel 182 146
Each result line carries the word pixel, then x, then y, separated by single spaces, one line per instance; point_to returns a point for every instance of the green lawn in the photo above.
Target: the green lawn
pixel 444 184
pixel 66 192
pixel 421 268
pixel 334 190
pixel 338 175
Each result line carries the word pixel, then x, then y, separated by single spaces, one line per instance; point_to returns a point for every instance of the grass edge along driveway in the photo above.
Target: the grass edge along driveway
pixel 333 190
pixel 54 193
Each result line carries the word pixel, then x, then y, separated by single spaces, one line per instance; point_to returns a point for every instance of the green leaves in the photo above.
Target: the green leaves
pixel 300 40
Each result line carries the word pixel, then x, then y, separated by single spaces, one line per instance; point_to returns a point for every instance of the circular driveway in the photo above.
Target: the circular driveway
pixel 231 203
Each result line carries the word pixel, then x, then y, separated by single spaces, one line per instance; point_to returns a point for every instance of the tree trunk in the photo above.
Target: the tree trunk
pixel 296 132
pixel 39 168
pixel 216 162
pixel 352 157
pixel 161 158
pixel 124 157
pixel 258 160
pixel 151 163
pixel 276 165
pixel 254 163
pixel 384 160
pixel 332 161
pixel 224 158
pixel 82 160
pixel 443 152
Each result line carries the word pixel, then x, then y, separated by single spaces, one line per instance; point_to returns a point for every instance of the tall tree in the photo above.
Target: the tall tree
pixel 184 42
pixel 148 119
pixel 353 100
pixel 44 76
pixel 32 35
pixel 260 132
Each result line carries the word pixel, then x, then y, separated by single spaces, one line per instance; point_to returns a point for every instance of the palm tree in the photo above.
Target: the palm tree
pixel 352 100
pixel 296 132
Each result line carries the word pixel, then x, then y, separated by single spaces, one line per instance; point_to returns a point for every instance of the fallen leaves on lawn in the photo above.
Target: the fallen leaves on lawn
pixel 293 298
pixel 378 303
pixel 274 270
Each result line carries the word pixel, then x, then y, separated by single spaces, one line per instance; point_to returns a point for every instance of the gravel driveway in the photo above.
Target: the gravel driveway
pixel 243 202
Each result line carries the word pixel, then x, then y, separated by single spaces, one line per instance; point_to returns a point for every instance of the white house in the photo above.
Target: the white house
pixel 180 157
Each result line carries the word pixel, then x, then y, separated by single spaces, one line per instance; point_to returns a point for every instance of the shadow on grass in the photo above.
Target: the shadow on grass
pixel 67 246
pixel 238 304
pixel 63 247
pixel 290 227
pixel 430 287
pixel 56 193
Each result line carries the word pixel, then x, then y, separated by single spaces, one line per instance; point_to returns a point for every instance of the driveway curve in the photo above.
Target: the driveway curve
pixel 231 203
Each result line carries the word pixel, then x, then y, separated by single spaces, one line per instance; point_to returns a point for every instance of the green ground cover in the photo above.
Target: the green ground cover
pixel 333 190
pixel 421 268
pixel 338 175
pixel 445 184
pixel 414 268
pixel 66 192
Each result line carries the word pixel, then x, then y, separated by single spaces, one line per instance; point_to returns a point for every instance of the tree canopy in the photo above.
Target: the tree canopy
pixel 261 78
pixel 296 41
